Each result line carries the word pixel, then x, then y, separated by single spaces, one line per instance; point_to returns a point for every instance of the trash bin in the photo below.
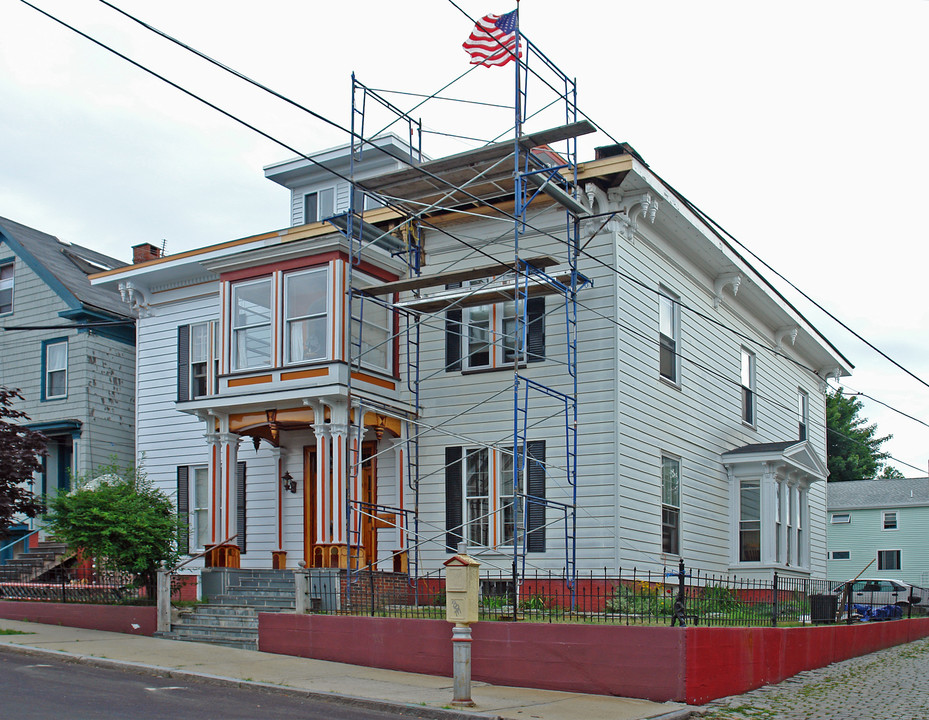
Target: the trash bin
pixel 823 609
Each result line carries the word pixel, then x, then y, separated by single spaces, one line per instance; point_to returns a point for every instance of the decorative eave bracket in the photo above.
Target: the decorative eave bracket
pixel 783 334
pixel 824 375
pixel 136 298
pixel 731 279
pixel 626 211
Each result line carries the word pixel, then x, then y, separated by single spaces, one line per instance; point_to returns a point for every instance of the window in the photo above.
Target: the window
pixel 372 331
pixel 889 520
pixel 749 521
pixel 748 387
pixel 55 369
pixel 840 555
pixel 803 413
pixel 888 560
pixel 197 360
pixel 318 205
pixel 669 333
pixel 670 505
pixel 201 507
pixel 486 509
pixel 840 518
pixel 6 288
pixel 484 336
pixel 306 315
pixel 251 324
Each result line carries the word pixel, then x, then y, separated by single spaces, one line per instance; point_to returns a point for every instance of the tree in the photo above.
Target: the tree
pixel 119 518
pixel 20 450
pixel 853 448
pixel 890 473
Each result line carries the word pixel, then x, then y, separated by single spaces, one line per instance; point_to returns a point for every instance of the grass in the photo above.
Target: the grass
pixel 4 631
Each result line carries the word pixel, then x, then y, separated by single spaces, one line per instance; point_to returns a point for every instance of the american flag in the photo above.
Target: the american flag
pixel 493 40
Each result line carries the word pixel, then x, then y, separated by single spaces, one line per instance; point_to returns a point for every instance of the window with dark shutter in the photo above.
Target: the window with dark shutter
pixel 453 498
pixel 183 508
pixel 535 488
pixel 453 320
pixel 240 506
pixel 183 363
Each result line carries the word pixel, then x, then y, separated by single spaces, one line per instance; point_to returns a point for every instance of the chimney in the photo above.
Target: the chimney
pixel 144 252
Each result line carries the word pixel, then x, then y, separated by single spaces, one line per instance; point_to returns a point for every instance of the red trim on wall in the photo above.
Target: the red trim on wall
pixel 111 618
pixel 298 263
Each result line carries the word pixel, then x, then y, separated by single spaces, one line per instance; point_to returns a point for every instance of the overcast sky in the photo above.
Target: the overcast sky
pixel 800 126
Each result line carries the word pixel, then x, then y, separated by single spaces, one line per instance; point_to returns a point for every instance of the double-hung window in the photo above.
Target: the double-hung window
pixel 197 360
pixel 749 520
pixel 251 324
pixel 485 336
pixel 318 205
pixel 749 403
pixel 803 414
pixel 372 333
pixel 670 505
pixel 200 507
pixel 55 362
pixel 486 502
pixel 669 336
pixel 306 315
pixel 6 289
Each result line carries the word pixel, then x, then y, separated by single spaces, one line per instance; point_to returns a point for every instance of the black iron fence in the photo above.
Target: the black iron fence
pixel 676 596
pixel 79 585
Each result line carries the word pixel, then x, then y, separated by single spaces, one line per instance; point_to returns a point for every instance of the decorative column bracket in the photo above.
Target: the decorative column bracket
pixel 734 280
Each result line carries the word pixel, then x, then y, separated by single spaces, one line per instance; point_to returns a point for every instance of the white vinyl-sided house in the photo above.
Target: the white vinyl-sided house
pixel 301 424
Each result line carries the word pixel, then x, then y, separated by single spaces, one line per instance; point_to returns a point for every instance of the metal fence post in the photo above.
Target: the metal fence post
pixel 774 605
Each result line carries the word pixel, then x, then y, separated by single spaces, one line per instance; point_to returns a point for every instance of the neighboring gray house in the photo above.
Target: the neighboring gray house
pixel 884 521
pixel 78 382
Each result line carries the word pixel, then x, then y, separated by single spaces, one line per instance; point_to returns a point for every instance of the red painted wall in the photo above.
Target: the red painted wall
pixel 601 659
pixel 729 661
pixel 112 618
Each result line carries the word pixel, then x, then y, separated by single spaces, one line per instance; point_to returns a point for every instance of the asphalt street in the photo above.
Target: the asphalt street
pixel 891 684
pixel 33 688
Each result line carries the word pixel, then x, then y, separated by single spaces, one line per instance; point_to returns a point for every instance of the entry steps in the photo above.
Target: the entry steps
pixel 29 566
pixel 230 618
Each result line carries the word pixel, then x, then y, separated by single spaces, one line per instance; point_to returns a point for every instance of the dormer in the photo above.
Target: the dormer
pixel 320 189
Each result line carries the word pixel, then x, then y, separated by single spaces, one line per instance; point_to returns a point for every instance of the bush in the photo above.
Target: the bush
pixel 121 520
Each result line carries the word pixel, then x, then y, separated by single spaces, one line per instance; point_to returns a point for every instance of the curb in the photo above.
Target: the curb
pixel 411 711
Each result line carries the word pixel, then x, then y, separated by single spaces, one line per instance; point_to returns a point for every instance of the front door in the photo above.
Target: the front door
pixel 369 496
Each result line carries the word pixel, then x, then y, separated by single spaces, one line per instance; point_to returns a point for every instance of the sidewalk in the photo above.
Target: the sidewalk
pixel 389 690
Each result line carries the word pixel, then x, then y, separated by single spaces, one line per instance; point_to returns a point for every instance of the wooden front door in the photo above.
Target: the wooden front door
pixel 368 495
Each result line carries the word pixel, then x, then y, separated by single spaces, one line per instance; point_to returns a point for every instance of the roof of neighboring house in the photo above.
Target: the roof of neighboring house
pixel 862 494
pixel 64 267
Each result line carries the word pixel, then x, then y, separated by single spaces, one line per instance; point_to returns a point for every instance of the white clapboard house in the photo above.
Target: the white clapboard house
pixel 662 400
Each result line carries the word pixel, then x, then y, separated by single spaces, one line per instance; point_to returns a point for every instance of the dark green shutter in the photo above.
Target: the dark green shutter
pixel 240 506
pixel 535 488
pixel 453 499
pixel 183 509
pixel 183 363
pixel 453 336
pixel 535 329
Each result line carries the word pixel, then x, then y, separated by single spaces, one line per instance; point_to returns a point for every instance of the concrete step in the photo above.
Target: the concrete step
pixel 217 637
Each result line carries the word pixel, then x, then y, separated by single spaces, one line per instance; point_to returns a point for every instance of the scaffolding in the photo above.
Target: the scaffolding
pixel 466 182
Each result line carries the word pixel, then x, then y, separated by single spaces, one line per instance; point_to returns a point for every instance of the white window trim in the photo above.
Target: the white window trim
pixel 212 358
pixel 233 338
pixel 361 280
pixel 884 515
pixel 803 414
pixel 835 518
pixel 287 320
pixel 750 401
pixel 847 553
pixel 195 507
pixel 496 340
pixel 899 567
pixel 677 461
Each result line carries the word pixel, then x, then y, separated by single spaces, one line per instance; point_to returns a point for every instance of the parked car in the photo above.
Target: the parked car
pixel 882 591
